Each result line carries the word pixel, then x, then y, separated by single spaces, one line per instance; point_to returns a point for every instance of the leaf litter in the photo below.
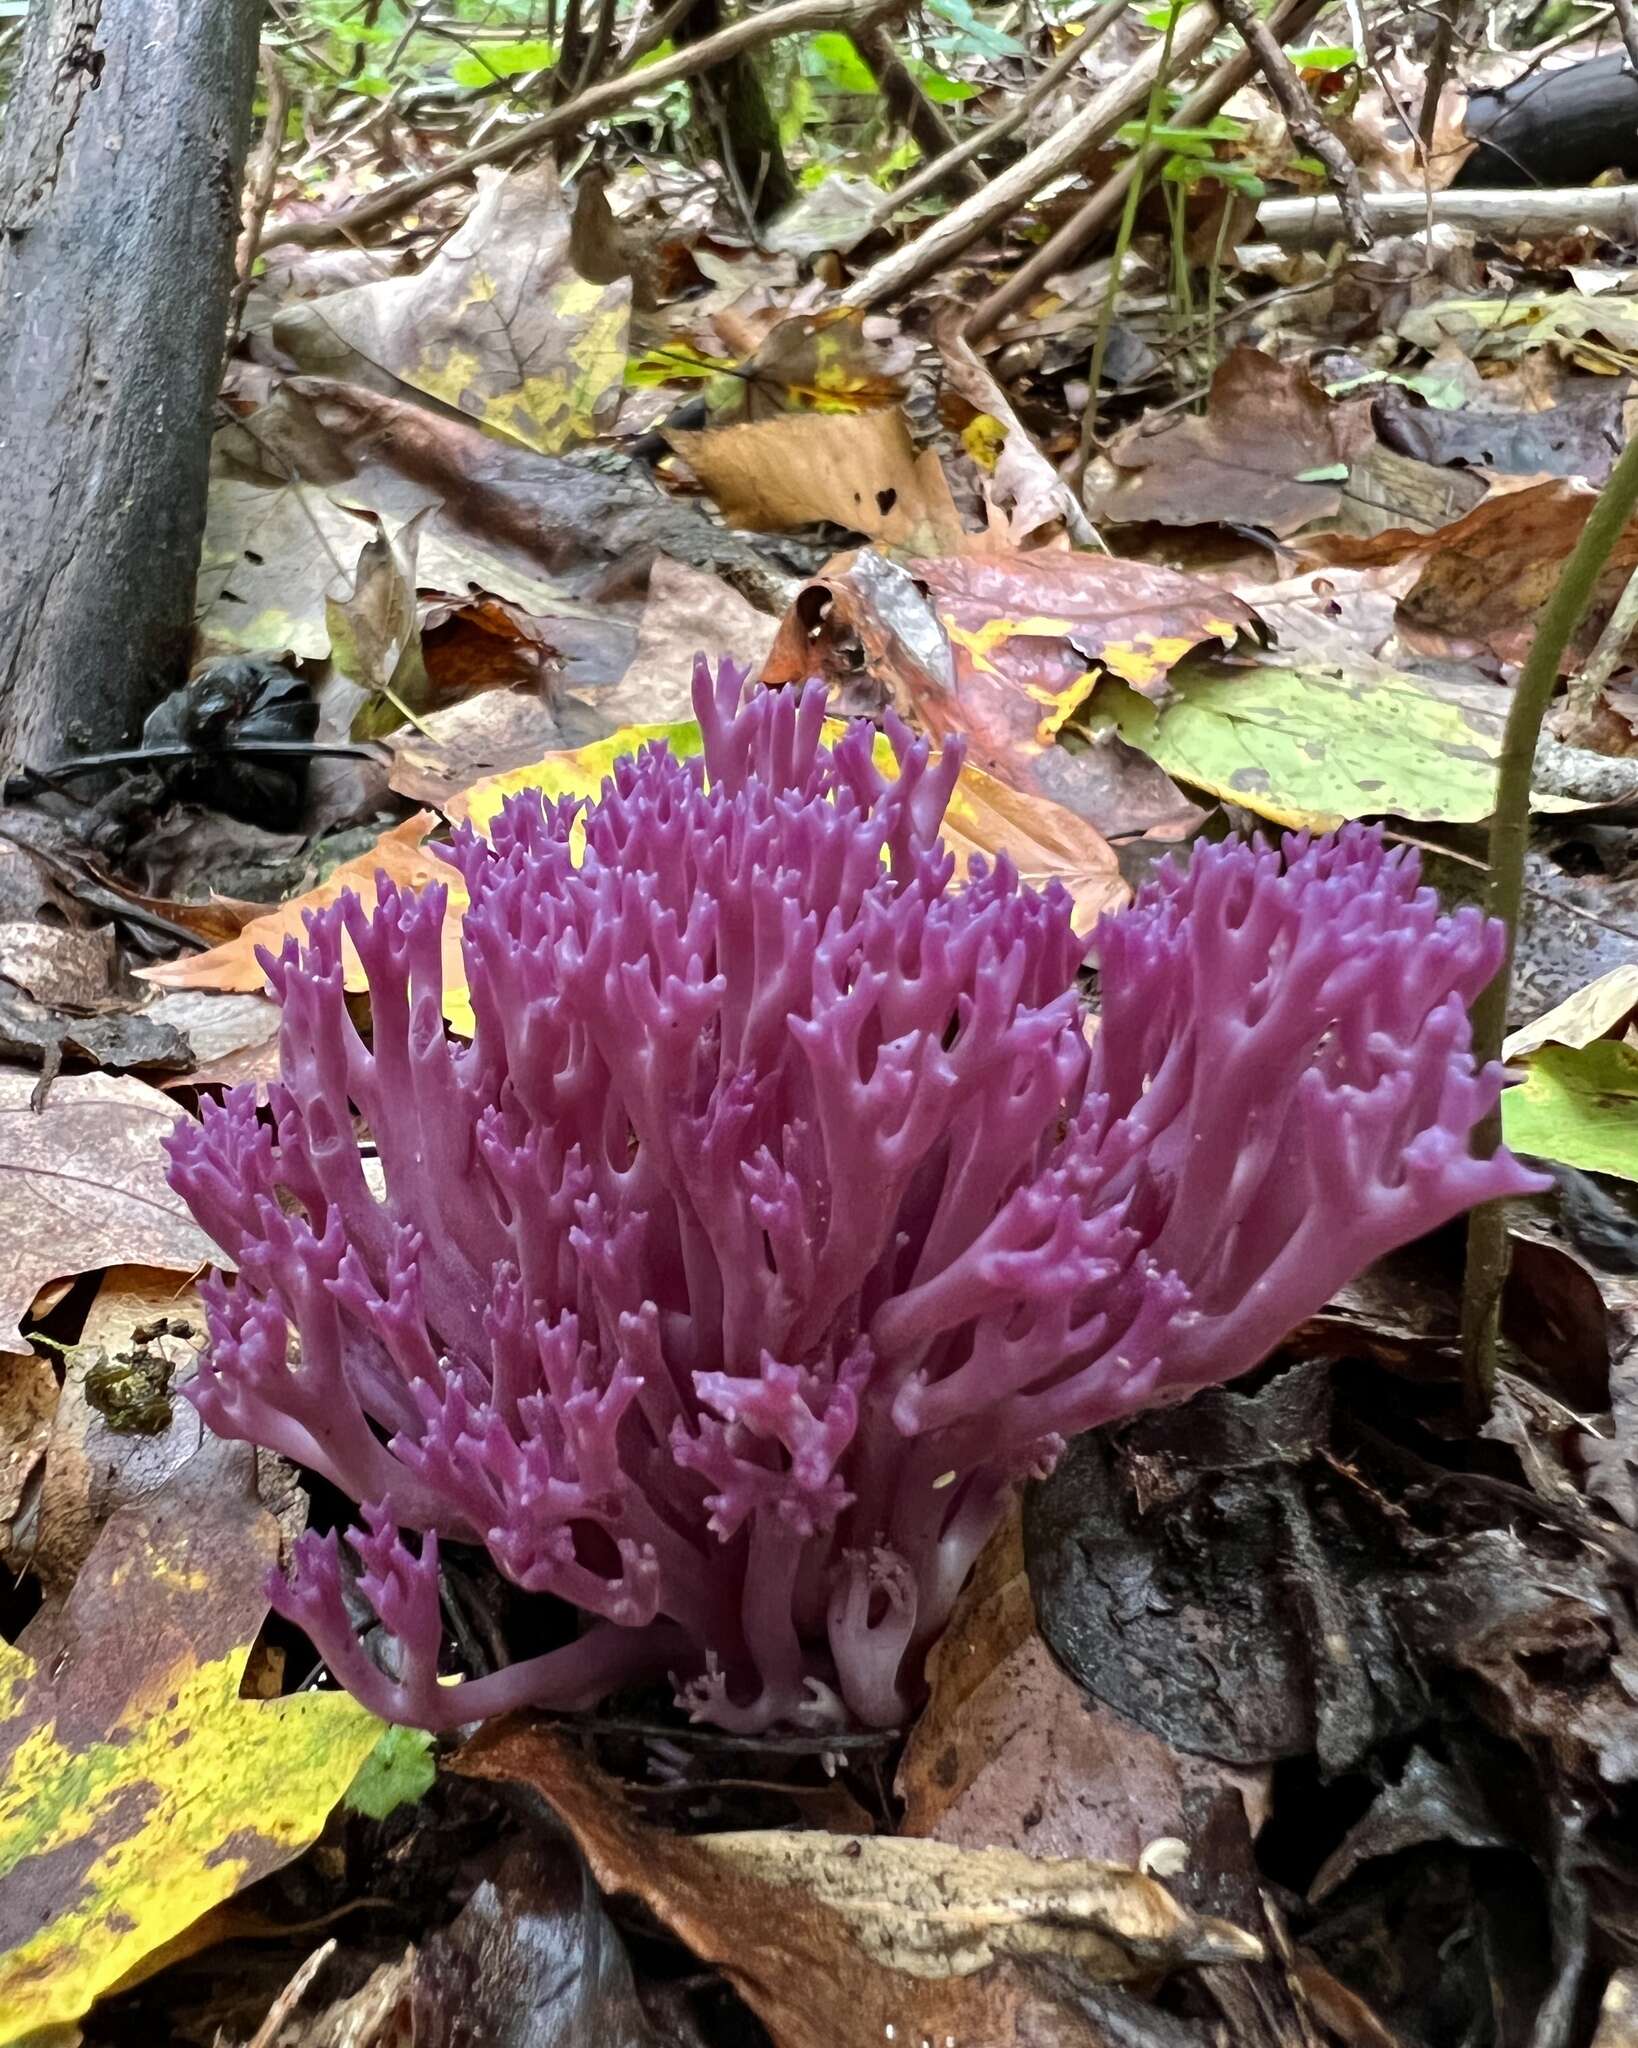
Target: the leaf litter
pixel 1290 1675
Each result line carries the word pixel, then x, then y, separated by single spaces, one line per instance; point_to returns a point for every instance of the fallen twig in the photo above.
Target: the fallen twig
pixel 1611 210
pixel 1302 119
pixel 261 174
pixel 904 269
pixel 747 34
pixel 932 175
pixel 1487 1246
pixel 1089 220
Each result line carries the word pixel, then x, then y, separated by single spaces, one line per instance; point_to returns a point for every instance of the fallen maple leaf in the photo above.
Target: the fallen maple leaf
pixel 137 1789
pixel 82 1185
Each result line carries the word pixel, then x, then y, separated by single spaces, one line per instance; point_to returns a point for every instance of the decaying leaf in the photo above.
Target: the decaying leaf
pixel 848 1938
pixel 375 636
pixel 1009 1752
pixel 1270 451
pixel 1003 648
pixel 149 1327
pixel 856 470
pixel 137 1790
pixel 687 610
pixel 82 1185
pixel 1578 1105
pixel 497 325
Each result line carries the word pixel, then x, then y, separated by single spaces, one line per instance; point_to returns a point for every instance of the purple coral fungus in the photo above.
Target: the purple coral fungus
pixel 778 1216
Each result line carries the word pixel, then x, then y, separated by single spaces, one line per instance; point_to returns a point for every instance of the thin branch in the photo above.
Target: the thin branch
pixel 1626 20
pixel 904 269
pixel 932 175
pixel 1307 127
pixel 1487 1247
pixel 794 17
pixel 1089 220
pixel 261 176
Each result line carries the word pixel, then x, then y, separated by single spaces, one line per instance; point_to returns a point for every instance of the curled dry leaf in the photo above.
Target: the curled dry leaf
pixel 82 1185
pixel 856 470
pixel 835 1938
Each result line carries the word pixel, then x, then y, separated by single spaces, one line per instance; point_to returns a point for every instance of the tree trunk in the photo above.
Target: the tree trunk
pixel 120 164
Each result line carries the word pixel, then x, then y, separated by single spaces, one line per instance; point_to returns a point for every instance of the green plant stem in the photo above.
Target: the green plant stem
pixel 1123 238
pixel 1487 1247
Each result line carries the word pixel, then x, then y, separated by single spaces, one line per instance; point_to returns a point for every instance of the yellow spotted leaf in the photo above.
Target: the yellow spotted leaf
pixel 497 324
pixel 137 1789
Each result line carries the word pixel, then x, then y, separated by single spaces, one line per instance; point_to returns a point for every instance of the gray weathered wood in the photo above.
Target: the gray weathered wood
pixel 120 161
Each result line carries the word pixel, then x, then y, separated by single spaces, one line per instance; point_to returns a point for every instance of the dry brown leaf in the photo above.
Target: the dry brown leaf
pixel 56 964
pixel 399 854
pixel 1044 841
pixel 856 470
pixel 1267 427
pixel 82 1184
pixel 844 1938
pixel 687 610
pixel 91 1469
pixel 484 735
pixel 1483 580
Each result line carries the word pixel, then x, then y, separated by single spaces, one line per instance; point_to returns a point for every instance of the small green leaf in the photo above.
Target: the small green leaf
pixel 502 60
pixel 836 60
pixel 1325 57
pixel 942 90
pixel 1323 473
pixel 977 35
pixel 399 1771
pixel 1578 1105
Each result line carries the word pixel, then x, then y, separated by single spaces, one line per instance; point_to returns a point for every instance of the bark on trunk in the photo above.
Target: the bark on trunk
pixel 739 118
pixel 120 165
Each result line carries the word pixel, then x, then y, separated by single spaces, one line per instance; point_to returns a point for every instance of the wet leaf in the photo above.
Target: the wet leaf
pixel 138 1789
pixel 1579 1105
pixel 1309 747
pixel 842 1937
pixel 82 1185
